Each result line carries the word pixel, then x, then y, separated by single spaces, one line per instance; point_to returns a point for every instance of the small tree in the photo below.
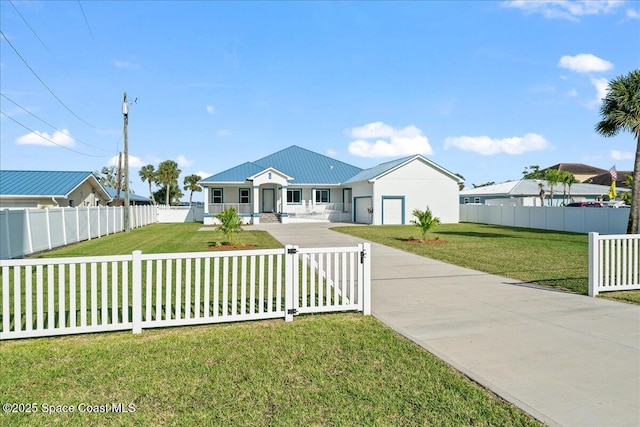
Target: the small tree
pixel 191 184
pixel 230 223
pixel 552 176
pixel 425 221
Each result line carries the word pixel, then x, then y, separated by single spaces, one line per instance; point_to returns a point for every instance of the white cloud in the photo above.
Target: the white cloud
pixel 389 142
pixel 331 153
pixel 224 132
pixel 632 14
pixel 585 63
pixel 488 146
pixel 203 174
pixel 572 93
pixel 134 162
pixel 565 9
pixel 620 155
pixel 183 161
pixel 211 109
pixel 125 64
pixel 60 138
pixel 602 87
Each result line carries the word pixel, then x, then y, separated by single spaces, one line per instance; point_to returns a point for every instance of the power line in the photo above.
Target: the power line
pixel 47 123
pixel 85 19
pixel 43 83
pixel 44 137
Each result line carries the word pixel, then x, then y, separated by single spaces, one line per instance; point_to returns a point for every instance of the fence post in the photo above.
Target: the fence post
pixel 289 282
pixel 365 250
pixel 594 264
pixel 136 300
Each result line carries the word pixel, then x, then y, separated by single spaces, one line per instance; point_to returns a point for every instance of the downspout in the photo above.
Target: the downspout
pixel 55 202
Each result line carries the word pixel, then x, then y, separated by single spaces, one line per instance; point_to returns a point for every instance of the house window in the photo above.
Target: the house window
pixel 244 195
pixel 294 196
pixel 322 196
pixel 72 203
pixel 216 195
pixel 466 200
pixel 476 200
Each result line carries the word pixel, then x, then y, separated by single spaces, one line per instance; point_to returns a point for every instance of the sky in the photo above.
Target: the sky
pixel 482 88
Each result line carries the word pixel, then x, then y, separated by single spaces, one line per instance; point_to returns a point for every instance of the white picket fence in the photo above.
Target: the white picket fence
pixel 614 262
pixel 60 296
pixel 26 231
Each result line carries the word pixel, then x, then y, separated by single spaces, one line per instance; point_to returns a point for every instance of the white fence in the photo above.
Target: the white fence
pixel 577 220
pixel 170 214
pixel 47 297
pixel 26 231
pixel 333 212
pixel 614 263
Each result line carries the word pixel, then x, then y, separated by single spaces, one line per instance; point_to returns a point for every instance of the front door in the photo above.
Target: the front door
pixel 268 200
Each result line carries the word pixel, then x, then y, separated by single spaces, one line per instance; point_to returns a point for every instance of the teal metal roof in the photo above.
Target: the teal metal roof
pixel 376 171
pixel 40 183
pixel 304 166
pixel 132 196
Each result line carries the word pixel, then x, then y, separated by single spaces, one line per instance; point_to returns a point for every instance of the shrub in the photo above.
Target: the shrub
pixel 425 221
pixel 231 223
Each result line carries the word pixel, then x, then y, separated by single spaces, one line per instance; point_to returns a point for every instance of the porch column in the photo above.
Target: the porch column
pixel 312 202
pixel 284 215
pixel 255 216
pixel 205 193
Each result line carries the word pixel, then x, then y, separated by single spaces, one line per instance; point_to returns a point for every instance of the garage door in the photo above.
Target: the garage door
pixel 392 211
pixel 363 204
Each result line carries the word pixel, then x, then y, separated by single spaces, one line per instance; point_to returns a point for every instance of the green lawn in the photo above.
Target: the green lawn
pixel 343 369
pixel 548 258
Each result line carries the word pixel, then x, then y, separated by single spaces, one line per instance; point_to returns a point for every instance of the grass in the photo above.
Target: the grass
pixel 548 258
pixel 163 238
pixel 344 369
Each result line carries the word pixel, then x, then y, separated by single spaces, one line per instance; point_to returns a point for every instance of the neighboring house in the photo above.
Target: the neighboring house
pixel 605 179
pixel 134 199
pixel 48 189
pixel 580 171
pixel 526 192
pixel 296 183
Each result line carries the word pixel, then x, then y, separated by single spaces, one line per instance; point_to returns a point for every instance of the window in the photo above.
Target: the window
pixel 322 196
pixel 477 200
pixel 72 203
pixel 466 200
pixel 244 195
pixel 294 196
pixel 216 195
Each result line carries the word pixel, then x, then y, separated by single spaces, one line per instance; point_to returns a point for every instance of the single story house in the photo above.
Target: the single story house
pixel 298 184
pixel 134 199
pixel 50 189
pixel 526 192
pixel 580 171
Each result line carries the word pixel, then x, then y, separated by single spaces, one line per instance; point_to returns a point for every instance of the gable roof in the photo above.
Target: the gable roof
pixel 576 169
pixel 529 187
pixel 44 183
pixel 605 179
pixel 384 168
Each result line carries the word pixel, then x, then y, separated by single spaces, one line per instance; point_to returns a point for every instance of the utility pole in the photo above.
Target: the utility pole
pixel 125 113
pixel 119 180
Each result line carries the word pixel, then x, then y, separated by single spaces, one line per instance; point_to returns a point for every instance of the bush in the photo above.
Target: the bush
pixel 231 223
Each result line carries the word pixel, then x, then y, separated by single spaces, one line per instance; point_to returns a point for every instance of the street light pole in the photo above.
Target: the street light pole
pixel 125 113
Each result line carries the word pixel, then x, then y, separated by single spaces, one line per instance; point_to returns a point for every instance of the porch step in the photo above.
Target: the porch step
pixel 269 218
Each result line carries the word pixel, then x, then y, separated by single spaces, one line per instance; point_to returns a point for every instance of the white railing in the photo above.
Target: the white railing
pixel 614 263
pixel 334 212
pixel 47 297
pixel 26 231
pixel 241 208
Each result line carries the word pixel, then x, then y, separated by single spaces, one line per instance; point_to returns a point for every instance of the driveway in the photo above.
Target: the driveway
pixel 566 359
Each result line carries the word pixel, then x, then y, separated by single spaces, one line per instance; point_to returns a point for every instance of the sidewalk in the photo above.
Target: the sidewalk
pixel 566 359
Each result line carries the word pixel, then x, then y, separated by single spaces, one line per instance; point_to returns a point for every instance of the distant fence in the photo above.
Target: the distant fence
pixel 59 296
pixel 614 263
pixel 577 220
pixel 176 214
pixel 26 231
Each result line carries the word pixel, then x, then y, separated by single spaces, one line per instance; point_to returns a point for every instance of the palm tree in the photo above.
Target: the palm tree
pixel 148 173
pixel 167 175
pixel 620 111
pixel 567 179
pixel 424 221
pixel 191 184
pixel 542 193
pixel 552 176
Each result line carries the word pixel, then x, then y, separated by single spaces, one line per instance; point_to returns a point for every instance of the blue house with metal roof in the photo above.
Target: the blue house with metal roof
pixel 47 189
pixel 296 184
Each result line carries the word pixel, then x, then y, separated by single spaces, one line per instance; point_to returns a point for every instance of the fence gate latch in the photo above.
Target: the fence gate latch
pixel 292 311
pixel 362 257
pixel 292 251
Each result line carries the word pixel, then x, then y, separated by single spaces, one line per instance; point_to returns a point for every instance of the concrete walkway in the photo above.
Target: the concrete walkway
pixel 566 359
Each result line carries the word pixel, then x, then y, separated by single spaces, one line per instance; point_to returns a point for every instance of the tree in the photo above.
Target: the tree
pixel 567 179
pixel 461 185
pixel 108 177
pixel 425 221
pixel 191 184
pixel 148 173
pixel 532 172
pixel 174 196
pixel 167 175
pixel 542 193
pixel 552 176
pixel 626 196
pixel 620 111
pixel 230 223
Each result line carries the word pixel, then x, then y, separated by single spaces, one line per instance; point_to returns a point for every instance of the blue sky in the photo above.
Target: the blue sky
pixel 482 88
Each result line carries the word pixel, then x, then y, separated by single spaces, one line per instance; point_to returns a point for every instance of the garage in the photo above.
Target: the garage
pixel 362 206
pixel 392 210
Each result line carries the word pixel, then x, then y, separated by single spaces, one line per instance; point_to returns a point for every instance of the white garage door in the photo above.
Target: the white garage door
pixel 392 211
pixel 363 204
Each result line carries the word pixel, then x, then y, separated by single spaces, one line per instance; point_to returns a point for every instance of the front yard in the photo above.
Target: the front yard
pixel 547 258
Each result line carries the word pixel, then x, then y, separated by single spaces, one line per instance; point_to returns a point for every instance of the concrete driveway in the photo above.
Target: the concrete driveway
pixel 566 359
